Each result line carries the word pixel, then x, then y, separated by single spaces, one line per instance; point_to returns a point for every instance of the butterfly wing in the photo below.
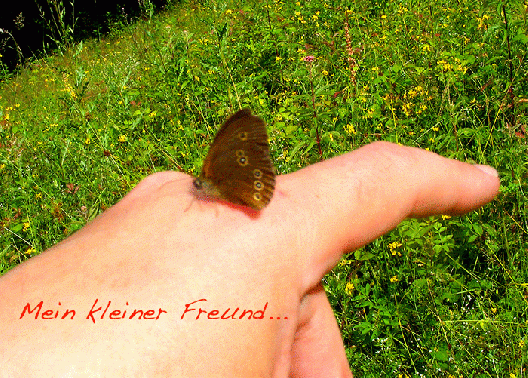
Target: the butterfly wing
pixel 238 167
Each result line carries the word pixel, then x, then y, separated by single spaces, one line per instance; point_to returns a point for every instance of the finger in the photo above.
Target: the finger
pixel 318 350
pixel 348 201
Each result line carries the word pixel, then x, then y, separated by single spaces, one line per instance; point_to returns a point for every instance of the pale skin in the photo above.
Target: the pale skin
pixel 155 252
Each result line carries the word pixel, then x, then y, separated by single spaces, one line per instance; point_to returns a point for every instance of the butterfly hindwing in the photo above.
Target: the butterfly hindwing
pixel 238 167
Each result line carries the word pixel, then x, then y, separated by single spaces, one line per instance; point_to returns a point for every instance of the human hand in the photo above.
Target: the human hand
pixel 153 251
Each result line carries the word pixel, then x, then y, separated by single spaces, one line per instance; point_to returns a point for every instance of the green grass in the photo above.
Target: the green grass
pixel 442 297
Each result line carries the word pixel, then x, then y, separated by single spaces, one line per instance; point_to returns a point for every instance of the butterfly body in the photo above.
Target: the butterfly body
pixel 238 167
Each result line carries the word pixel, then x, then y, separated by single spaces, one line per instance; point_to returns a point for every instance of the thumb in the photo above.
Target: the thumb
pixel 318 350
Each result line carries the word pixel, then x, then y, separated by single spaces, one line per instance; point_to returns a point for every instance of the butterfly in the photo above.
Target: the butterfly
pixel 238 166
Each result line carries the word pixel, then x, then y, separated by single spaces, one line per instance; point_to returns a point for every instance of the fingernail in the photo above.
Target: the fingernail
pixel 487 169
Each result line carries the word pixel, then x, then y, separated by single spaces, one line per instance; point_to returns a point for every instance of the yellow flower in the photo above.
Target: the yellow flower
pixel 349 288
pixel 393 246
pixel 349 128
pixel 394 279
pixel 122 138
pixel 482 21
pixel 325 72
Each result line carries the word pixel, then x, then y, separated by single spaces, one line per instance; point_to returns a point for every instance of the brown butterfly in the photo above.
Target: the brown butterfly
pixel 238 167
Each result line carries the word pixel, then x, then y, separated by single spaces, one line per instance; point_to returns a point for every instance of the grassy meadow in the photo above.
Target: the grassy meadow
pixel 438 297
